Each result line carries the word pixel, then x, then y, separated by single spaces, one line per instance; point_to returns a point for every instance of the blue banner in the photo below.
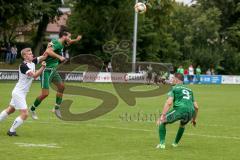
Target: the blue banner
pixel 203 79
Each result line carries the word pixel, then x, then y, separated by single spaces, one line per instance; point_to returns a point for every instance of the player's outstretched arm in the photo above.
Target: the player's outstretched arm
pixel 166 107
pixel 71 41
pixel 195 115
pixel 38 72
pixel 49 51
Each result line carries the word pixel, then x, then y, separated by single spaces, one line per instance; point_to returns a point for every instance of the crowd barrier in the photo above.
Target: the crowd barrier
pixel 105 77
pixel 11 75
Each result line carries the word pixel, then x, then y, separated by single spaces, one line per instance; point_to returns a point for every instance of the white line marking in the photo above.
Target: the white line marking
pixel 135 129
pixel 51 145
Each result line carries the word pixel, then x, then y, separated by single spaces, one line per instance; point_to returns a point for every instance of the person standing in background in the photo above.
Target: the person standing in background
pixel 180 70
pixel 13 53
pixel 109 67
pixel 198 73
pixel 191 74
pixel 8 53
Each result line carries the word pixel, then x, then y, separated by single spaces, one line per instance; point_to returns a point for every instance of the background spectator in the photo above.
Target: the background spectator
pixel 198 73
pixel 212 71
pixel 109 67
pixel 14 53
pixel 8 53
pixel 180 70
pixel 208 72
pixel 186 72
pixel 190 74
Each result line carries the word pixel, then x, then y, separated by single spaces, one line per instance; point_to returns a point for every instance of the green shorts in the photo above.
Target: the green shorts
pixel 183 114
pixel 50 75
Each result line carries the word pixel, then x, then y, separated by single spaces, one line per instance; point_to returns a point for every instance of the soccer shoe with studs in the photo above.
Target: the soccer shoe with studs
pixel 175 145
pixel 33 115
pixel 161 146
pixel 58 113
pixel 11 134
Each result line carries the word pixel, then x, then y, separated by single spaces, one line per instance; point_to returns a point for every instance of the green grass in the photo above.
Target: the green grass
pixel 217 136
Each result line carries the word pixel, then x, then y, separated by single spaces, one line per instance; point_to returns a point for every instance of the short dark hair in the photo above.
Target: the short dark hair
pixel 64 33
pixel 179 76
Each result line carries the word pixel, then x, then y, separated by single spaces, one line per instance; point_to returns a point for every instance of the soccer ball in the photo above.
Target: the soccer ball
pixel 140 8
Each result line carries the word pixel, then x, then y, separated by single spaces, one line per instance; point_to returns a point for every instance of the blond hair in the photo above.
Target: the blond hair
pixel 23 51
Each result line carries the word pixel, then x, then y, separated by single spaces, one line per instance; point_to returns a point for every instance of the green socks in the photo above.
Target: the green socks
pixel 35 104
pixel 179 134
pixel 162 133
pixel 58 102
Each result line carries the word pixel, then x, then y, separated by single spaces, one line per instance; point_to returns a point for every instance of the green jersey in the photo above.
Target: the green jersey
pixel 180 70
pixel 198 71
pixel 182 97
pixel 58 49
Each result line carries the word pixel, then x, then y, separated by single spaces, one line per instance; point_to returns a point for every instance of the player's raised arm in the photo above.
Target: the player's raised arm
pixel 71 41
pixel 49 51
pixel 166 107
pixel 38 72
pixel 195 115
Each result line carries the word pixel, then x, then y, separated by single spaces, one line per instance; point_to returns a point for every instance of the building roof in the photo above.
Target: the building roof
pixel 65 10
pixel 54 27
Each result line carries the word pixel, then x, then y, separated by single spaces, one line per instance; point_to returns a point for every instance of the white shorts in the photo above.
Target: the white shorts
pixel 18 101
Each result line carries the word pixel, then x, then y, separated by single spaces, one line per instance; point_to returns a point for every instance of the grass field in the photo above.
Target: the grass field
pixel 217 136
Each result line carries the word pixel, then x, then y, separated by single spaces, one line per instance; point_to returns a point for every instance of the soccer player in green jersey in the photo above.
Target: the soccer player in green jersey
pixel 50 74
pixel 184 109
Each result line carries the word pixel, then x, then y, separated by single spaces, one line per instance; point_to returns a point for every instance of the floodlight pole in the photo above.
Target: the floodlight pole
pixel 135 41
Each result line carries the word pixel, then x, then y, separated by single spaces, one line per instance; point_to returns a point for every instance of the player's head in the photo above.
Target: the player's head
pixel 26 54
pixel 65 35
pixel 178 78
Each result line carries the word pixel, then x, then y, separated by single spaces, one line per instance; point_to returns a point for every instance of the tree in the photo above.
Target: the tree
pixel 229 32
pixel 100 22
pixel 17 13
pixel 167 32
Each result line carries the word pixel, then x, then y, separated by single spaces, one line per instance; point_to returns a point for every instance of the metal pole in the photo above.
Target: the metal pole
pixel 135 41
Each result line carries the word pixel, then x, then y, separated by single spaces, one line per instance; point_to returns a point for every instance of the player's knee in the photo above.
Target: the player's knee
pixel 44 95
pixel 61 88
pixel 10 110
pixel 24 115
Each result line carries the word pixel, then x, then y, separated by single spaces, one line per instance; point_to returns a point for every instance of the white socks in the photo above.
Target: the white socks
pixel 3 115
pixel 18 121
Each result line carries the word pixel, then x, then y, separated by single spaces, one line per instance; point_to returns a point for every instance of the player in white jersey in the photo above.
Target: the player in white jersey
pixel 18 102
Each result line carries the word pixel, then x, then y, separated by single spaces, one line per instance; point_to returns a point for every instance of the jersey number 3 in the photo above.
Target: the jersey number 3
pixel 186 94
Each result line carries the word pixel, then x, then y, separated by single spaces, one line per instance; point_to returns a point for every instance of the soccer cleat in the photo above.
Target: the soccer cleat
pixel 161 146
pixel 174 144
pixel 58 113
pixel 34 115
pixel 12 133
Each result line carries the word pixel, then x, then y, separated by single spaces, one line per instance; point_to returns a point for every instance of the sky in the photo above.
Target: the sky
pixel 185 1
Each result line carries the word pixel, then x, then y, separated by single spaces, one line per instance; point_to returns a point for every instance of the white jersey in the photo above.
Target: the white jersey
pixel 24 82
pixel 23 85
pixel 191 71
